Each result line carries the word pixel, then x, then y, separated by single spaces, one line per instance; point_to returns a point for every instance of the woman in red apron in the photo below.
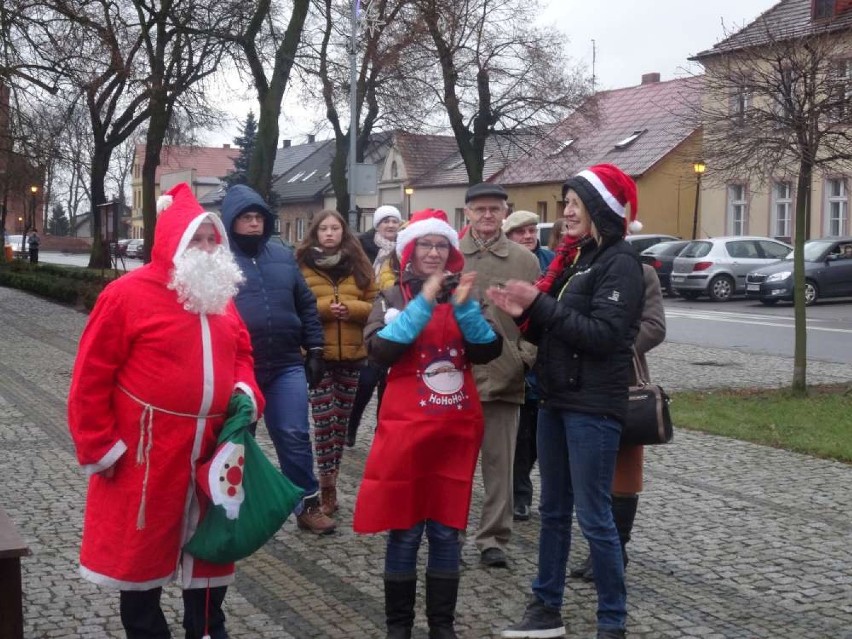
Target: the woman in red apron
pixel 419 474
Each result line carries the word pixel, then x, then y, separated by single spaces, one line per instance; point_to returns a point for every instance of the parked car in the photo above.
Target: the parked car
pixel 15 242
pixel 718 266
pixel 135 248
pixel 118 248
pixel 644 241
pixel 661 257
pixel 828 273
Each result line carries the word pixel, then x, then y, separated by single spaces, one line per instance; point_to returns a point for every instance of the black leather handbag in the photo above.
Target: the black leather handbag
pixel 648 420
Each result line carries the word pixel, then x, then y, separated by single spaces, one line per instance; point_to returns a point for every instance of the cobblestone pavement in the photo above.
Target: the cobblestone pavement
pixel 732 540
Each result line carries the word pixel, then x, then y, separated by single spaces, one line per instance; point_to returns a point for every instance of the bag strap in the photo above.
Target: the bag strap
pixel 640 380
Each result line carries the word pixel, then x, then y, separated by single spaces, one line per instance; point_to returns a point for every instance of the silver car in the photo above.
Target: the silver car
pixel 718 266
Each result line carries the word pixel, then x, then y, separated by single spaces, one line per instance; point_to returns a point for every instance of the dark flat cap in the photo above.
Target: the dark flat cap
pixel 485 189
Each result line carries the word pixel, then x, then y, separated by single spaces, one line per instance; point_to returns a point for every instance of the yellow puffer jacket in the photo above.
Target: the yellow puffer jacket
pixel 344 339
pixel 387 275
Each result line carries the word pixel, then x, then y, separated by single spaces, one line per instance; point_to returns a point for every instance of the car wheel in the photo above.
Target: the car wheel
pixel 811 293
pixel 688 295
pixel 769 302
pixel 721 288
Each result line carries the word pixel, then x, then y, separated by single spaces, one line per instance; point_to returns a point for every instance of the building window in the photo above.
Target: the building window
pixel 737 209
pixel 541 209
pixel 842 92
pixel 822 9
pixel 782 209
pixel 394 170
pixel 838 207
pixel 459 219
pixel 276 225
pixel 300 229
pixel 740 100
pixel 630 139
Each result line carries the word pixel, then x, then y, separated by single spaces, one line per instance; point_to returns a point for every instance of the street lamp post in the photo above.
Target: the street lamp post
pixel 409 191
pixel 33 192
pixel 698 167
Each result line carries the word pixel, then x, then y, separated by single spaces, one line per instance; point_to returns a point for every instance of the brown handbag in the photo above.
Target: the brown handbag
pixel 648 420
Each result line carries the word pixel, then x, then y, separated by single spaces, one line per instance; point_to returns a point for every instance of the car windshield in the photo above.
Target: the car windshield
pixel 696 249
pixel 815 249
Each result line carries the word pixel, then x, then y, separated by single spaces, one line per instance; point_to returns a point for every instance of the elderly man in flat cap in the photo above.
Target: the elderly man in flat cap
pixel 500 383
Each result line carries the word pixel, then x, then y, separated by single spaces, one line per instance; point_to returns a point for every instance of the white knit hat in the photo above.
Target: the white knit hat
pixel 385 211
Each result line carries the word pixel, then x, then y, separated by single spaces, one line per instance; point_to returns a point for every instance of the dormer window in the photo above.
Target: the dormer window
pixel 296 177
pixel 630 139
pixel 562 147
pixel 822 9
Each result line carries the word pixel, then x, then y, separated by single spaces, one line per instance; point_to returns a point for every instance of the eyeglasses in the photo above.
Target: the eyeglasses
pixel 483 210
pixel 441 247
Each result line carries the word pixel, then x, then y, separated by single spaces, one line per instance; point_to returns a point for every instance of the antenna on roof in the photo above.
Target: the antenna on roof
pixel 594 58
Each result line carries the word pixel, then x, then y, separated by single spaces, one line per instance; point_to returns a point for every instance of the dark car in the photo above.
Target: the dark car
pixel 661 257
pixel 647 240
pixel 828 273
pixel 135 248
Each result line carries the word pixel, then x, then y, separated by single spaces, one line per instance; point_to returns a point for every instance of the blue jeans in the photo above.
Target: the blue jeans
pixel 286 417
pixel 576 457
pixel 401 557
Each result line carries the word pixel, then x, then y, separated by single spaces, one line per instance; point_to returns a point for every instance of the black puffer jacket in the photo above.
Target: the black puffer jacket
pixel 368 243
pixel 585 330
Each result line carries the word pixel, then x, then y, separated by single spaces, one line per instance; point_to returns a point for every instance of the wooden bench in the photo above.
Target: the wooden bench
pixel 12 548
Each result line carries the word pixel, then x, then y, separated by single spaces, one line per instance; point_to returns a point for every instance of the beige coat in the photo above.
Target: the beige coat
pixel 502 379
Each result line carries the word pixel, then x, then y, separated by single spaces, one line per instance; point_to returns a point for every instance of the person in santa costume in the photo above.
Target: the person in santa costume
pixel 418 477
pixel 584 315
pixel 161 355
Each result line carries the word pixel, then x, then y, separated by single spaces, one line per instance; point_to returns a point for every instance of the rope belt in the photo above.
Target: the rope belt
pixel 146 442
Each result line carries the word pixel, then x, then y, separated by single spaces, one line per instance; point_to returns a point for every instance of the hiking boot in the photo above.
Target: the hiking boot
pixel 611 634
pixel 539 622
pixel 314 520
pixel 521 512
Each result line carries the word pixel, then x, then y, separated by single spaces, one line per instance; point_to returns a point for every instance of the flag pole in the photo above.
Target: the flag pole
pixel 353 118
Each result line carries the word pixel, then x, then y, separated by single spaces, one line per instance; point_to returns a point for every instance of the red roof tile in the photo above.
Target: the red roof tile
pixel 658 111
pixel 207 161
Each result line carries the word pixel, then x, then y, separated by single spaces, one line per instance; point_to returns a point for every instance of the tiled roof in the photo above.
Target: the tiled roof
pixel 208 162
pixel 421 152
pixel 786 20
pixel 657 111
pixel 288 157
pixel 310 178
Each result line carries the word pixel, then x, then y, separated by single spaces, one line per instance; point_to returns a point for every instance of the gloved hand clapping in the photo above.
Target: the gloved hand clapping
pixel 314 367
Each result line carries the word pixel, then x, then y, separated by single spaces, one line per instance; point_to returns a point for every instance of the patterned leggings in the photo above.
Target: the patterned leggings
pixel 331 405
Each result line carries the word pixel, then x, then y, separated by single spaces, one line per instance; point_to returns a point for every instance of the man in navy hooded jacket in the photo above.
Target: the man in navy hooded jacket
pixel 280 312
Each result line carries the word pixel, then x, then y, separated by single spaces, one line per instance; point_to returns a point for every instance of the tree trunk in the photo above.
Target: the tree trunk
pixel 803 206
pixel 338 176
pixel 99 257
pixel 157 127
pixel 263 157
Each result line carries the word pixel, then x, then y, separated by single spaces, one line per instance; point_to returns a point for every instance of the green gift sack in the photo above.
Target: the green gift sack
pixel 250 497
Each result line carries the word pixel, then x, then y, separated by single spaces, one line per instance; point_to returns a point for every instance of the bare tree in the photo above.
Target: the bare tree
pixel 259 37
pixel 779 101
pixel 500 75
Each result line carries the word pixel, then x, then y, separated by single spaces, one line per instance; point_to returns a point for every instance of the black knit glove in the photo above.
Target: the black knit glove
pixel 314 367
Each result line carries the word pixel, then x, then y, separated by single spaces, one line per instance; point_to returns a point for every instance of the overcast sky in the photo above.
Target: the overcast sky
pixel 631 37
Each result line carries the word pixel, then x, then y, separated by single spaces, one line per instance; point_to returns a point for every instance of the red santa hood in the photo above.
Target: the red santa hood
pixel 178 217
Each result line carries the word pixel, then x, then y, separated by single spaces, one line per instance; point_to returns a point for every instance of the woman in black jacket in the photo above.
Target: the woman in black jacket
pixel 584 315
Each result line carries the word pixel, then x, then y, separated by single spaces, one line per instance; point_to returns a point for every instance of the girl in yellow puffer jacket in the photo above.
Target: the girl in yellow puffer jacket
pixel 341 277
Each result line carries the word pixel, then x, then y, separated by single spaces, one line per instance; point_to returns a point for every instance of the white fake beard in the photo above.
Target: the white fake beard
pixel 205 282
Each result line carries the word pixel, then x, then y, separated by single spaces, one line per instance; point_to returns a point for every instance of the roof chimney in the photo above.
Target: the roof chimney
pixel 650 78
pixel 226 146
pixel 285 144
pixel 311 138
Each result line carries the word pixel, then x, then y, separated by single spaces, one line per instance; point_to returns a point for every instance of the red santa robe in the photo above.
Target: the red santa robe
pixel 149 392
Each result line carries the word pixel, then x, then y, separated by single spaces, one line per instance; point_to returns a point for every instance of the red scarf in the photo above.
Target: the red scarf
pixel 567 255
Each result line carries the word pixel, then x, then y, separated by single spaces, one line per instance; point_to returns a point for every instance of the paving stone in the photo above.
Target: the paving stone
pixel 732 540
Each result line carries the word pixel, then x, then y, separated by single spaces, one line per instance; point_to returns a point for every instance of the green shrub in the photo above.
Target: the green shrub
pixel 66 284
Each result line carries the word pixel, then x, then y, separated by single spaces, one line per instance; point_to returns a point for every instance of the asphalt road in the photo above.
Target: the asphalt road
pixel 752 327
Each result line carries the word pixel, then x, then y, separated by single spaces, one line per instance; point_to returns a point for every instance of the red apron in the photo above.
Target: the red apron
pixel 424 453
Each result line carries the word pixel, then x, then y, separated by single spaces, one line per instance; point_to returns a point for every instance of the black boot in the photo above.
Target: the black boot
pixel 442 590
pixel 624 512
pixel 400 593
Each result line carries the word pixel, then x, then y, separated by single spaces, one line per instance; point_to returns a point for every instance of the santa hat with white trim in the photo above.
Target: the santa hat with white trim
pixel 428 222
pixel 604 188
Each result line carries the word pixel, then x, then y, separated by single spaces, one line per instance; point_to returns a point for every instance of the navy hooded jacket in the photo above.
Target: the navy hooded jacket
pixel 275 302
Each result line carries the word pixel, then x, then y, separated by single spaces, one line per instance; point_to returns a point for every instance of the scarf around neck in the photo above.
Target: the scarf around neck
pixel 567 255
pixel 386 249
